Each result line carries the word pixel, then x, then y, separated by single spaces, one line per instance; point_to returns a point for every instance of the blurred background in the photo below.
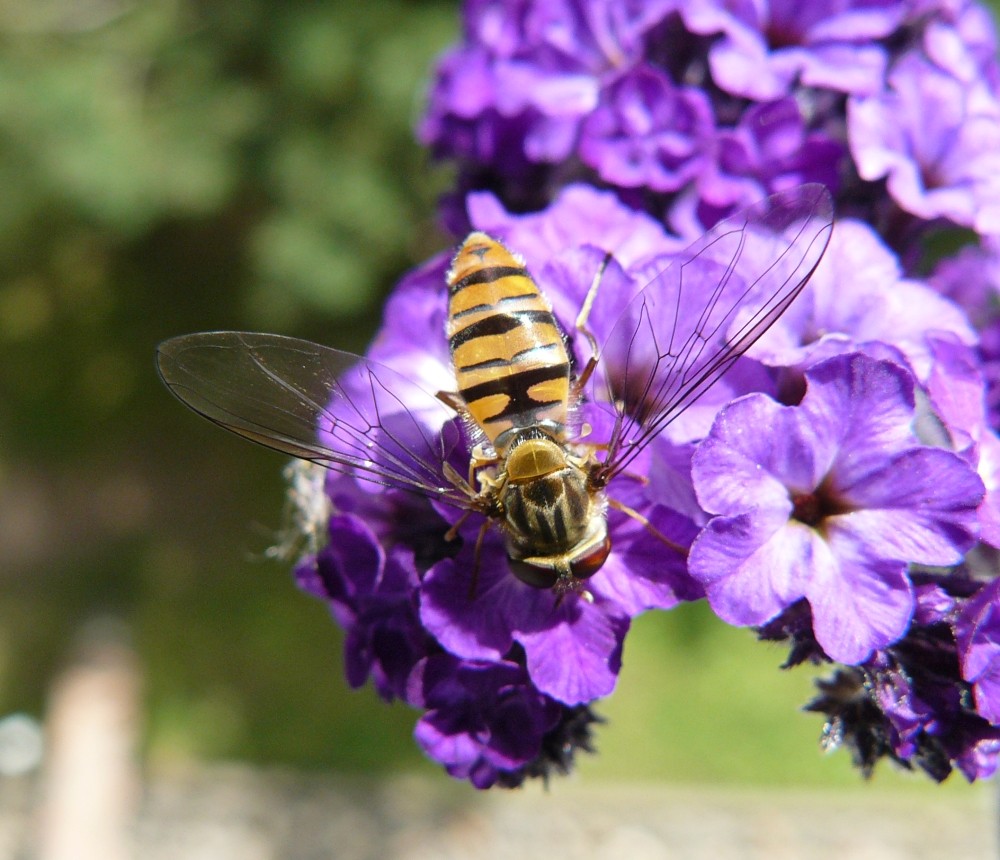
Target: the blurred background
pixel 169 166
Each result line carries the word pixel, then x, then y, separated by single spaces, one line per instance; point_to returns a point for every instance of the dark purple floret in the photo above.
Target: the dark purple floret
pixel 646 132
pixel 573 733
pixel 908 702
pixel 771 147
pixel 484 721
pixel 372 593
pixel 977 632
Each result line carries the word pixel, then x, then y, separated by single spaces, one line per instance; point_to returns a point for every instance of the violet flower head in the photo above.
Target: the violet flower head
pixel 688 110
pixel 767 47
pixel 483 721
pixel 620 93
pixel 936 140
pixel 859 299
pixel 801 494
pixel 978 639
pixel 646 132
pixel 681 111
pixel 510 98
pixel 706 106
pixel 910 702
pixel 829 501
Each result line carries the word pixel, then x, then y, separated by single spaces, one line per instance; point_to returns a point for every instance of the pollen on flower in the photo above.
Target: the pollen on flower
pixel 307 512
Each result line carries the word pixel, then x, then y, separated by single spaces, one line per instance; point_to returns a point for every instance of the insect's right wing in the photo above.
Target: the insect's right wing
pixel 320 404
pixel 688 326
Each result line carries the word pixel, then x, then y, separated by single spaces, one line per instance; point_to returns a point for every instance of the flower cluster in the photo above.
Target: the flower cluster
pixel 836 490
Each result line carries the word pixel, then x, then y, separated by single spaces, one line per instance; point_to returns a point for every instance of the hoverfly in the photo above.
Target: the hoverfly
pixel 530 471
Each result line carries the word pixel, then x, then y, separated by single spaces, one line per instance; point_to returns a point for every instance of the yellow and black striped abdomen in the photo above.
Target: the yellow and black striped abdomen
pixel 510 359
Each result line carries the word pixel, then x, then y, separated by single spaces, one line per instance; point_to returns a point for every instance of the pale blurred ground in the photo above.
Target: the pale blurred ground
pixel 216 813
pixel 89 801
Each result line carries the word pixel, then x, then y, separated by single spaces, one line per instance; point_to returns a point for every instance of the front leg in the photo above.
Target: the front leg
pixel 478 461
pixel 453 400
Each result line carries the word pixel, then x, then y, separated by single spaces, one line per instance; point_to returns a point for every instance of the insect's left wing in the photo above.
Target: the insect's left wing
pixel 320 404
pixel 688 326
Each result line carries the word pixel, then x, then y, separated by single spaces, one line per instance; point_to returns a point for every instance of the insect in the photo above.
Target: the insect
pixel 530 472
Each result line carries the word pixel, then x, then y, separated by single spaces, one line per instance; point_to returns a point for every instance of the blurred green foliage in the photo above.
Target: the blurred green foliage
pixel 172 166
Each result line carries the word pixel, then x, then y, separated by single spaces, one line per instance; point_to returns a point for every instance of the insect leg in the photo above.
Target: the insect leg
pixel 474 584
pixel 655 532
pixel 479 460
pixel 581 325
pixel 452 533
pixel 453 400
pixel 458 481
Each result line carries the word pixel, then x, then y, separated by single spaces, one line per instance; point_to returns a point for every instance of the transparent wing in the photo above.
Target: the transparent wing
pixel 688 326
pixel 320 404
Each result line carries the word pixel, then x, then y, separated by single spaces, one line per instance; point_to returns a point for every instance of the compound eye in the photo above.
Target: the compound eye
pixel 587 565
pixel 530 574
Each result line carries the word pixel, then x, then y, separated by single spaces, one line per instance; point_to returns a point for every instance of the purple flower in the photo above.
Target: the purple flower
pixel 695 107
pixel 483 720
pixel 978 637
pixel 936 140
pixel 858 296
pixel 572 647
pixel 770 149
pixel 817 512
pixel 372 593
pixel 959 36
pixel 829 501
pixel 527 74
pixel 767 47
pixel 908 702
pixel 648 133
pixel 539 91
pixel 971 278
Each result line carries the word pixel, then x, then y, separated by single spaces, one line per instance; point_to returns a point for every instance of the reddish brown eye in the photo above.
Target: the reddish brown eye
pixel 587 565
pixel 530 574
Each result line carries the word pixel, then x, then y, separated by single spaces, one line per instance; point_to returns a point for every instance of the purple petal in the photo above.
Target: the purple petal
pixel 955 386
pixel 647 132
pixel 920 506
pixel 755 565
pixel 576 655
pixel 977 634
pixel 580 215
pixel 867 403
pixel 472 626
pixel 859 605
pixel 756 453
pixel 642 571
pixel 989 470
